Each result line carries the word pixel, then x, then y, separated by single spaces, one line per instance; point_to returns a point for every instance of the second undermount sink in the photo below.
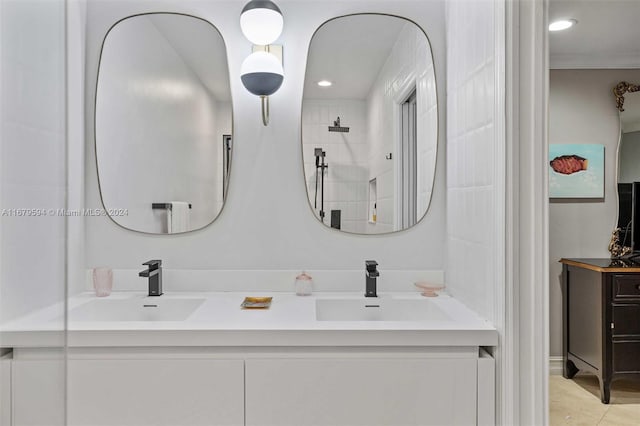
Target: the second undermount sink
pixel 137 309
pixel 379 309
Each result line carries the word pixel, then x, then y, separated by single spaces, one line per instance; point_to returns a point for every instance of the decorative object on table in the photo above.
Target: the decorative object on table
pixel 102 281
pixel 428 289
pixel 304 284
pixel 576 171
pixel 623 263
pixel 256 303
pixel 615 248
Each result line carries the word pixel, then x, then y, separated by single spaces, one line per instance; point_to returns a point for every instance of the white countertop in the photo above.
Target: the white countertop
pixel 219 321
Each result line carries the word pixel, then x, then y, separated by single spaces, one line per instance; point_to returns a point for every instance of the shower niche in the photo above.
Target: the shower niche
pixel 369 124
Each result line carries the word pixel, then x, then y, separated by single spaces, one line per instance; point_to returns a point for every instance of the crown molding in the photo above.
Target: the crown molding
pixel 590 61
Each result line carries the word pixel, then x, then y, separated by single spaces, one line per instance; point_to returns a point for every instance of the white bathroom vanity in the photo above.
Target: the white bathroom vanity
pixel 198 359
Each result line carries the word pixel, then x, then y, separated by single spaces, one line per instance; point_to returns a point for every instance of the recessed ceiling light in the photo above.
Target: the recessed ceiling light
pixel 562 24
pixel 324 83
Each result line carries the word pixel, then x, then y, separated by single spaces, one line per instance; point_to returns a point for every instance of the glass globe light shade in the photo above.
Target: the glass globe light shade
pixel 261 22
pixel 261 73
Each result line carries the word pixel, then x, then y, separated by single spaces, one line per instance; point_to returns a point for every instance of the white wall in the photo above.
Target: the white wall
pixel 582 110
pixel 266 222
pixel 472 161
pixel 409 67
pixel 157 127
pixel 33 153
pixel 347 154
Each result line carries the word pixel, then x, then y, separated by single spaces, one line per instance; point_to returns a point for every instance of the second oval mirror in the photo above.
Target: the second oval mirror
pixel 163 123
pixel 369 124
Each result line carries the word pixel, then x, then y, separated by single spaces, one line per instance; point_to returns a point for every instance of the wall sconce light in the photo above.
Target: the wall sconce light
pixel 261 72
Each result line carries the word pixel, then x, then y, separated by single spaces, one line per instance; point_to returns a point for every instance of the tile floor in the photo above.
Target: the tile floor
pixel 577 402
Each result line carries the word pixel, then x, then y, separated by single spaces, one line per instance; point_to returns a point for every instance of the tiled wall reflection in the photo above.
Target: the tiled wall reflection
pixel 346 178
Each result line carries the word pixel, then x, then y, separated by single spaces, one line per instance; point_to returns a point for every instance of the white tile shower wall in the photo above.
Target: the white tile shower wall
pixel 33 154
pixel 266 223
pixel 408 68
pixel 346 184
pixel 183 113
pixel 471 148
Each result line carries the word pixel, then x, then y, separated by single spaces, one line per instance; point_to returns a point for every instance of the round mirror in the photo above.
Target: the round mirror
pixel 369 124
pixel 163 123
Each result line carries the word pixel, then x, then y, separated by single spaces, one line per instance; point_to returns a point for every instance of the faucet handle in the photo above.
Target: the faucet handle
pixel 371 265
pixel 156 263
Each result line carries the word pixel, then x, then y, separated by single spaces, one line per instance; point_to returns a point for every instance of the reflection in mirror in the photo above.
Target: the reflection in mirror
pixel 628 103
pixel 369 124
pixel 163 123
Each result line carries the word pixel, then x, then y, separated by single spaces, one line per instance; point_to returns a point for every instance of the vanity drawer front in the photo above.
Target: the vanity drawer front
pixel 626 287
pixel 626 356
pixel 626 320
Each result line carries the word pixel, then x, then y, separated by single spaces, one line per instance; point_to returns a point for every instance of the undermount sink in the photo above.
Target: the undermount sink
pixel 138 309
pixel 379 309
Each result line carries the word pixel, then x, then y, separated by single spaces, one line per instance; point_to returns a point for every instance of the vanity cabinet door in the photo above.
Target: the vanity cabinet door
pixel 37 389
pixel 155 392
pixel 360 392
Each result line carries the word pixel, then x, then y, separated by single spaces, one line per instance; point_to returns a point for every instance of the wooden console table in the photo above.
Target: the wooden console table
pixel 601 319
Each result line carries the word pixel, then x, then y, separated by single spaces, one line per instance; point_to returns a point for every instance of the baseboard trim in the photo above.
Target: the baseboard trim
pixel 555 365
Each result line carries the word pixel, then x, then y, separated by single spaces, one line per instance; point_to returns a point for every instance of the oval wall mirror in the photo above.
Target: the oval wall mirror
pixel 369 124
pixel 628 104
pixel 163 123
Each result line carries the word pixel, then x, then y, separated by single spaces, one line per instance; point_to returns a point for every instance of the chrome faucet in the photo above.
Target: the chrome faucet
pixel 371 273
pixel 154 273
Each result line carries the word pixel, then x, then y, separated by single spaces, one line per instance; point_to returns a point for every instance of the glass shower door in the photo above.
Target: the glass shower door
pixel 32 205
